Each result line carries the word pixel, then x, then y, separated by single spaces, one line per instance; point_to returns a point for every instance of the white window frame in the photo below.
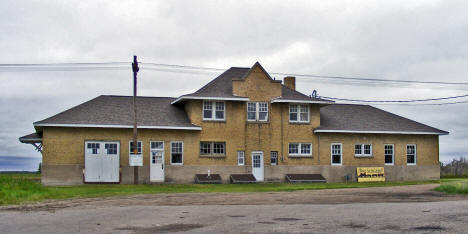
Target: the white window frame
pixel 362 154
pixel 341 154
pixel 240 154
pixel 181 163
pixel 299 112
pixel 393 154
pixel 212 143
pixel 151 142
pixel 130 152
pixel 299 147
pixel 274 153
pixel 257 112
pixel 415 155
pixel 213 110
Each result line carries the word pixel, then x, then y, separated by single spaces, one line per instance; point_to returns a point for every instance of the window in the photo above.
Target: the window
pixel 411 154
pixel 240 158
pixel 177 152
pixel 111 148
pixel 213 110
pixel 300 149
pixel 299 113
pixel 212 148
pixel 93 148
pixel 132 147
pixel 274 157
pixel 157 145
pixel 336 154
pixel 257 111
pixel 363 150
pixel 388 153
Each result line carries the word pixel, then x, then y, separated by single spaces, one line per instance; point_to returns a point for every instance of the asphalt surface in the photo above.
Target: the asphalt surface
pixel 409 209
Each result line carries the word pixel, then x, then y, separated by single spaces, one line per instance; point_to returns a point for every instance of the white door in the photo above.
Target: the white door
pixel 257 165
pixel 157 161
pixel 102 161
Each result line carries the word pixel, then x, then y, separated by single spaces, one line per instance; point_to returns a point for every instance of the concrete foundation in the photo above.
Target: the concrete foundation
pixel 73 174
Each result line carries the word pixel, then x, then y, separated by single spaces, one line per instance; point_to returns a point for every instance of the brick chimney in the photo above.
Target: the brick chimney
pixel 290 82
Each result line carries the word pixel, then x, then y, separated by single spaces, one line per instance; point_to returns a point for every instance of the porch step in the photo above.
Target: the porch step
pixel 305 178
pixel 205 179
pixel 243 179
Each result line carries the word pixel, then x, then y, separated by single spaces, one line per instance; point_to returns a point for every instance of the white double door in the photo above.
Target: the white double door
pixel 102 161
pixel 257 165
pixel 157 161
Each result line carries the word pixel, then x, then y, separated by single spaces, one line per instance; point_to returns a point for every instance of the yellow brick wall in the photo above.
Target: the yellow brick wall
pixel 427 147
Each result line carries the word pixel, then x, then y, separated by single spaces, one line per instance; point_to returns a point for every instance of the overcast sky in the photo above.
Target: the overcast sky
pixel 405 40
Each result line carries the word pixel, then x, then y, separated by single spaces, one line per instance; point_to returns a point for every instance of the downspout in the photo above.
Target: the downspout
pixel 282 140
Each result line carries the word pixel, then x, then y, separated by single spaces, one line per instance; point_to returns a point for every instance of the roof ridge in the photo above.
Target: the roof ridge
pixel 132 96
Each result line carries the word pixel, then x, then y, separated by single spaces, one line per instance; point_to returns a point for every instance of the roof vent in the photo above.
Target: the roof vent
pixel 290 82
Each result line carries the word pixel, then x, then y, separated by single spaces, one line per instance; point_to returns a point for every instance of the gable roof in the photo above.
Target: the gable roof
pixel 220 88
pixel 117 112
pixel 352 118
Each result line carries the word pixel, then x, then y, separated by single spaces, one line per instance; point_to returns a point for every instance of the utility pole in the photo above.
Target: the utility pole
pixel 135 69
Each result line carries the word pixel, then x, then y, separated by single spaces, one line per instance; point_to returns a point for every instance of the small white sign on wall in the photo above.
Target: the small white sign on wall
pixel 135 160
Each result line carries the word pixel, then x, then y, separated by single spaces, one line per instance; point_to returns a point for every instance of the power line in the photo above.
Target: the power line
pixel 175 66
pixel 394 101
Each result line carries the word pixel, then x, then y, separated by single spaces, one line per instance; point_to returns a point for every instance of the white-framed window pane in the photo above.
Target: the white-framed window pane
pixel 111 148
pixel 358 149
pixel 93 148
pixel 367 149
pixel 293 148
pixel 240 158
pixel 411 154
pixel 251 111
pixel 157 145
pixel 205 147
pixel 388 152
pixel 304 109
pixel 207 110
pixel 274 158
pixel 336 154
pixel 262 111
pixel 176 152
pixel 132 148
pixel 218 148
pixel 220 110
pixel 293 112
pixel 305 148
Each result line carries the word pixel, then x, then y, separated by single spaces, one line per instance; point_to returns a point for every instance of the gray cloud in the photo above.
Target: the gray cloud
pixel 408 40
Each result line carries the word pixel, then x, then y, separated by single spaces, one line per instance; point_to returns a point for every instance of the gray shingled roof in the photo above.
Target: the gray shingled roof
pixel 31 138
pixel 365 118
pixel 117 110
pixel 221 87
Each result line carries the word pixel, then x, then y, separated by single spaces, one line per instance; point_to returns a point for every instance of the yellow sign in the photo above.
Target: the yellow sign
pixel 370 174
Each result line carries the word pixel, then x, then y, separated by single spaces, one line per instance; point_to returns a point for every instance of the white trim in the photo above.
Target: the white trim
pixel 257 112
pixel 210 98
pixel 130 147
pixel 156 149
pixel 115 126
pixel 415 155
pixel 363 154
pixel 382 132
pixel 299 147
pixel 341 154
pixel 243 158
pixel 182 163
pixel 299 101
pixel 393 155
pixel 298 112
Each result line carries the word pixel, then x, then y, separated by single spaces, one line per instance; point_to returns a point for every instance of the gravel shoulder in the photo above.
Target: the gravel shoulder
pixel 396 194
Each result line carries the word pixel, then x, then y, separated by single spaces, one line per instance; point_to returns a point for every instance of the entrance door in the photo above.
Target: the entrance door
pixel 157 161
pixel 257 165
pixel 102 161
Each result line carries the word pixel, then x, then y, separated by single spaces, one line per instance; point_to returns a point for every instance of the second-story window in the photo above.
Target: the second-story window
pixel 257 111
pixel 299 113
pixel 214 110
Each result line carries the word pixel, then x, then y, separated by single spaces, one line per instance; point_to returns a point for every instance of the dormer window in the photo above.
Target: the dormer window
pixel 257 111
pixel 214 110
pixel 298 113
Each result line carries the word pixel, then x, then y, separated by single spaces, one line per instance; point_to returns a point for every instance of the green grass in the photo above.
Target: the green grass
pixel 453 185
pixel 26 188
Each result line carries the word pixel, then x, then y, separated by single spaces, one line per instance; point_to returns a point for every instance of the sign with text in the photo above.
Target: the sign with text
pixel 135 160
pixel 370 174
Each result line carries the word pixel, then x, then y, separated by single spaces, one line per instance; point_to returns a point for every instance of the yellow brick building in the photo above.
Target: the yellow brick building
pixel 241 123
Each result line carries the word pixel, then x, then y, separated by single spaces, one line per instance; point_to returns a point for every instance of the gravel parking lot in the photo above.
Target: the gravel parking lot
pixel 385 209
